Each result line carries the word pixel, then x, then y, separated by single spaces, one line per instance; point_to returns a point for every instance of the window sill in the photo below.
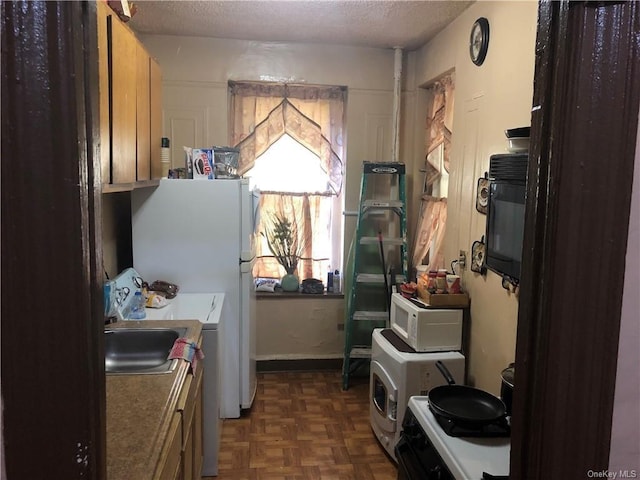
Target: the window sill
pixel 297 295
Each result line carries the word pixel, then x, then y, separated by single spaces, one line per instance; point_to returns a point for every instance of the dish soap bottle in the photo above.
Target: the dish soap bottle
pixel 137 307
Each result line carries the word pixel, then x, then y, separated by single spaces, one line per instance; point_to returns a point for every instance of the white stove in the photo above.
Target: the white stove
pixel 465 458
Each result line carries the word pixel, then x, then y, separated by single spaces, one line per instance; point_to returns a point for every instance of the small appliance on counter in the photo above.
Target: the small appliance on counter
pixel 120 294
pixel 426 329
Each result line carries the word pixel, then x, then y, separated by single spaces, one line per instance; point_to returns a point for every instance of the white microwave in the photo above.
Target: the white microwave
pixel 426 329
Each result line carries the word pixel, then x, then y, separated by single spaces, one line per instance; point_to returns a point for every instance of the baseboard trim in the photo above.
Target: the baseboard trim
pixel 308 364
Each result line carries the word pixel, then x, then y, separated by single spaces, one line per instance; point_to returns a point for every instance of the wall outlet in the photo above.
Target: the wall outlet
pixel 462 259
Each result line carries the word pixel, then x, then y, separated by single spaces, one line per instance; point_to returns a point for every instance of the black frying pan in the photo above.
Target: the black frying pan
pixel 463 404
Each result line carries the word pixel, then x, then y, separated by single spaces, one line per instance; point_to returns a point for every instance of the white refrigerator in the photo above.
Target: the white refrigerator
pixel 199 234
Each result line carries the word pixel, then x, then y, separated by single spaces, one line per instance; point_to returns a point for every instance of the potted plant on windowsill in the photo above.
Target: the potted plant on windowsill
pixel 287 246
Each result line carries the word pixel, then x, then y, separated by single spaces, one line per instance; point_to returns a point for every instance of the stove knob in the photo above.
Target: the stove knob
pixel 411 429
pixel 435 473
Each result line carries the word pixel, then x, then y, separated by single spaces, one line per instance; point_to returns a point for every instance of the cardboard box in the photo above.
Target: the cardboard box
pixel 443 299
pixel 202 163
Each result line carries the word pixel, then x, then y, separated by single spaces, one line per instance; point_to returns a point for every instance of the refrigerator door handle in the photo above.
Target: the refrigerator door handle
pixel 246 266
pixel 247 256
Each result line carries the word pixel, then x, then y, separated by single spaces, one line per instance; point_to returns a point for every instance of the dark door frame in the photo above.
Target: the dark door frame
pixel 584 127
pixel 582 159
pixel 53 383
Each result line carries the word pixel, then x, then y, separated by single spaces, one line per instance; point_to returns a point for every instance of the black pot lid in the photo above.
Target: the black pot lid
pixel 508 375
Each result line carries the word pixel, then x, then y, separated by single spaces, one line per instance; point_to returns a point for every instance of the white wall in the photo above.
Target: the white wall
pixel 196 71
pixel 295 329
pixel 625 428
pixel 195 75
pixel 488 100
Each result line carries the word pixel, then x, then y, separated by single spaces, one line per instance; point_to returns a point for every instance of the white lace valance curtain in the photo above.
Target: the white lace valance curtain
pixel 432 220
pixel 430 235
pixel 312 115
pixel 260 114
pixel 440 122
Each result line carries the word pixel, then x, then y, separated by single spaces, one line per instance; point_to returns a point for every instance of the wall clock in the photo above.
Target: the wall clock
pixel 479 41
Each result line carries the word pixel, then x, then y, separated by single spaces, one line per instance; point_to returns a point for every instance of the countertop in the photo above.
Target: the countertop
pixel 140 409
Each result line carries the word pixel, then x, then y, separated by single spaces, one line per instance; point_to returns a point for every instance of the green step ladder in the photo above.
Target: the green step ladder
pixel 379 247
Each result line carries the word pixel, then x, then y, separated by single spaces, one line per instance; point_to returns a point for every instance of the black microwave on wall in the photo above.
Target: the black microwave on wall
pixel 505 213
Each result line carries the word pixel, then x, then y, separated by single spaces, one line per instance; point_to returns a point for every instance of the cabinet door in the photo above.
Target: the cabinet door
pixel 170 467
pixel 123 102
pixel 143 117
pixel 190 407
pixel 197 431
pixel 186 408
pixel 187 457
pixel 103 84
pixel 155 85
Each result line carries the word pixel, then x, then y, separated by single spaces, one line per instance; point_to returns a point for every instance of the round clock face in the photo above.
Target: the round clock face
pixel 479 41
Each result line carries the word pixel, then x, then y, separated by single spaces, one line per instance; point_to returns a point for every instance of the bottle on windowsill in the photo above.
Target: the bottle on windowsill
pixel 330 281
pixel 337 282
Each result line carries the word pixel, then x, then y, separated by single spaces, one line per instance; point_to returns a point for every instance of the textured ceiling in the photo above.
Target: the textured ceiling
pixel 381 24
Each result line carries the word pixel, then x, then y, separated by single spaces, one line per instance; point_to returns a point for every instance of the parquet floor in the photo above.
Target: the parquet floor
pixel 303 426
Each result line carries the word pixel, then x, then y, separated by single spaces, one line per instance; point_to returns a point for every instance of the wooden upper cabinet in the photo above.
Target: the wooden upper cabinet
pixel 103 72
pixel 155 84
pixel 123 102
pixel 143 114
pixel 130 106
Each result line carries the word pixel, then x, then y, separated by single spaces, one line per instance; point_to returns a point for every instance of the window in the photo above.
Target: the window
pixel 430 229
pixel 290 142
pixel 287 166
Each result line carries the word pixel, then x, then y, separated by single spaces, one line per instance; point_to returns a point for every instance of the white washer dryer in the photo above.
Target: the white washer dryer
pixel 207 308
pixel 398 372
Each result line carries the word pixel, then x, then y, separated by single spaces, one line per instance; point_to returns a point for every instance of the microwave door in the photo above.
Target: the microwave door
pixel 399 318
